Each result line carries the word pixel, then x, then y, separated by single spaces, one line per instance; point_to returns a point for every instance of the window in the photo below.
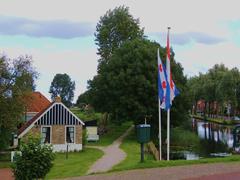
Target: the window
pixel 45 134
pixel 70 134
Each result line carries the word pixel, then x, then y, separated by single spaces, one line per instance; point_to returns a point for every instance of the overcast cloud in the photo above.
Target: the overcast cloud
pixel 51 28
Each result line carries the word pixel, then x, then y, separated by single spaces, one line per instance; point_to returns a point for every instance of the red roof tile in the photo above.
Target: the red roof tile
pixel 28 123
pixel 36 102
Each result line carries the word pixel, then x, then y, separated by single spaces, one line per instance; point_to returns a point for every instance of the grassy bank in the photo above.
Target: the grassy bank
pixel 132 161
pixel 217 120
pixel 114 131
pixel 5 160
pixel 84 116
pixel 77 163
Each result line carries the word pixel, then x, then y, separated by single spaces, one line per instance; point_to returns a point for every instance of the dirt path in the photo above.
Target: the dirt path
pixel 201 171
pixel 112 155
pixel 6 174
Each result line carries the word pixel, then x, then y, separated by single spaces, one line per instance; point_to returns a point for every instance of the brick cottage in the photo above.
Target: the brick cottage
pixel 56 124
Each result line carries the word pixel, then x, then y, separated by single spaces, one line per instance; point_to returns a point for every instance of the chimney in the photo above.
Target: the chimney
pixel 58 99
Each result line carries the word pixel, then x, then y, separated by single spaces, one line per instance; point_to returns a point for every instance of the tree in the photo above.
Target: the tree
pixel 17 77
pixel 127 86
pixel 83 99
pixel 113 29
pixel 62 86
pixel 35 161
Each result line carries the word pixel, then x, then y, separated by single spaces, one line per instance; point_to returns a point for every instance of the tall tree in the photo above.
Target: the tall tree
pixel 17 78
pixel 113 29
pixel 127 88
pixel 62 86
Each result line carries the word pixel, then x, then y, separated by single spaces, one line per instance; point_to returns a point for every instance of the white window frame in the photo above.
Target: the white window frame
pixel 74 127
pixel 50 133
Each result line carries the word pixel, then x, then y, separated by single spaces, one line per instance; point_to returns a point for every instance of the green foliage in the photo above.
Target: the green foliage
pixel 86 116
pixel 128 85
pixel 219 86
pixel 62 86
pixel 5 160
pixel 83 100
pixel 77 163
pixel 182 139
pixel 113 29
pixel 35 161
pixel 17 78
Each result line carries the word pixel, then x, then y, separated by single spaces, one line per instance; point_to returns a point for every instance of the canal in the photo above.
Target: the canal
pixel 215 140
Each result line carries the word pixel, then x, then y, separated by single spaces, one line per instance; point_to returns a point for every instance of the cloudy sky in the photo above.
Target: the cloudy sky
pixel 60 34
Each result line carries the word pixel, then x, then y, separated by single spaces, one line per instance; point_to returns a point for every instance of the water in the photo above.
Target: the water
pixel 214 138
pixel 215 141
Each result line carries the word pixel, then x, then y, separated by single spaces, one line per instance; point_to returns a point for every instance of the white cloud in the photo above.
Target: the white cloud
pixel 80 66
pixel 199 58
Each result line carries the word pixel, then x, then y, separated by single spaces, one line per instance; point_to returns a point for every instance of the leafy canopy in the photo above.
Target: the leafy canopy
pixel 62 86
pixel 113 29
pixel 17 79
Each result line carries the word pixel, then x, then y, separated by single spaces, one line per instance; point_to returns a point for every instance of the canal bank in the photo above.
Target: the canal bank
pixel 217 120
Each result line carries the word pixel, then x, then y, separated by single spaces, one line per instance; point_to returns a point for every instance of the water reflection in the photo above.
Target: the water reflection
pixel 214 132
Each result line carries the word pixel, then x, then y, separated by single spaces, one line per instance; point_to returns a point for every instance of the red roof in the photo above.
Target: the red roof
pixel 36 102
pixel 28 123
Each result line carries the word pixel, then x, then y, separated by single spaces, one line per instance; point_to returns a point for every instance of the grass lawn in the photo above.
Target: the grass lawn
pixel 113 133
pixel 132 148
pixel 5 160
pixel 77 163
pixel 84 116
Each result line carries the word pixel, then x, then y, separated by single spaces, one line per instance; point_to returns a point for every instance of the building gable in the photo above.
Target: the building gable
pixel 55 114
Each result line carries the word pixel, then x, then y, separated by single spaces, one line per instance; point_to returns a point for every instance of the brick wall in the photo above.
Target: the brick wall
pixel 78 134
pixel 58 133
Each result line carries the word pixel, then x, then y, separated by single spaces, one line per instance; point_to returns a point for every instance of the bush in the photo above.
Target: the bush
pixel 35 161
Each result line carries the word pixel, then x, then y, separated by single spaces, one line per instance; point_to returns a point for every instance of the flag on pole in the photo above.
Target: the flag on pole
pixel 163 86
pixel 173 89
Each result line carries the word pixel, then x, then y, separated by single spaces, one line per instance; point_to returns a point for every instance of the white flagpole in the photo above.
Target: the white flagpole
pixel 168 133
pixel 168 112
pixel 160 130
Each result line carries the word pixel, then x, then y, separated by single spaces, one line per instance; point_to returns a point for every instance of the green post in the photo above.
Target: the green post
pixel 143 136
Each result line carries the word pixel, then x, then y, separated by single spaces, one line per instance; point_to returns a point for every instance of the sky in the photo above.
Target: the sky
pixel 59 35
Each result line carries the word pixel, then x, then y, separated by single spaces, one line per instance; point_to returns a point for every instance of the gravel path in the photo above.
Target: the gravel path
pixel 220 170
pixel 112 155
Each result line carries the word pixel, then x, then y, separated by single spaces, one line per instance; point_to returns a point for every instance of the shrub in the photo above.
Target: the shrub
pixel 35 161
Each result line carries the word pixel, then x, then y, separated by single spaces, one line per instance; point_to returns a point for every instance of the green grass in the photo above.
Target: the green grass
pixel 5 160
pixel 86 116
pixel 132 149
pixel 77 163
pixel 114 131
pixel 132 161
pixel 217 120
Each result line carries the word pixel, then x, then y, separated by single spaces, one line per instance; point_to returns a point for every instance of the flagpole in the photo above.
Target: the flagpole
pixel 168 112
pixel 168 133
pixel 160 130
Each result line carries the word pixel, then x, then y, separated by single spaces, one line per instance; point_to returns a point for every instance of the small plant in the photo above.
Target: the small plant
pixel 35 160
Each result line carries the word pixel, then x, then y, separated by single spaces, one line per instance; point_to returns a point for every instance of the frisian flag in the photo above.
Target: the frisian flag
pixel 173 89
pixel 163 86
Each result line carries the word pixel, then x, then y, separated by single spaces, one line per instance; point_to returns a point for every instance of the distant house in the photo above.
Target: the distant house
pixel 92 130
pixel 56 124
